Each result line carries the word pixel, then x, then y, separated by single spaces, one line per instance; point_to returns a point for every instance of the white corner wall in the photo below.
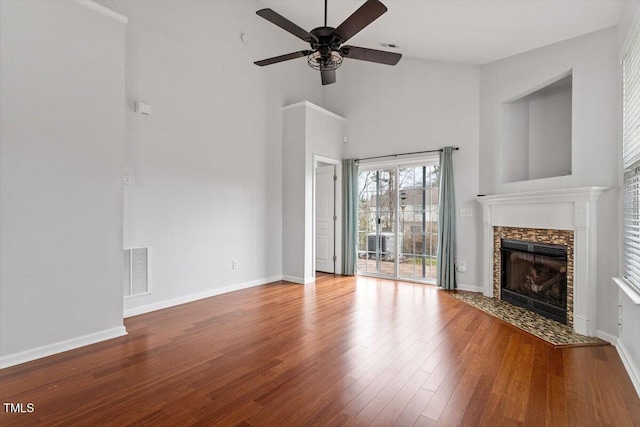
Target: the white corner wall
pixel 308 131
pixel 514 127
pixel 550 133
pixel 61 140
pixel 414 106
pixel 594 61
pixel 294 267
pixel 595 64
pixel 206 168
pixel 535 131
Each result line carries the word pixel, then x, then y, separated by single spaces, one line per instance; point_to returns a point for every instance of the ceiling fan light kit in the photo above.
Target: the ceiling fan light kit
pixel 319 62
pixel 326 52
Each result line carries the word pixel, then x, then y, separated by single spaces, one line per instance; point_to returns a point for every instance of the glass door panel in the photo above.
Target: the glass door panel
pixel 377 247
pixel 418 224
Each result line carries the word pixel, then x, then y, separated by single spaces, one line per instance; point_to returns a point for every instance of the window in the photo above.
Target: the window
pixel 631 160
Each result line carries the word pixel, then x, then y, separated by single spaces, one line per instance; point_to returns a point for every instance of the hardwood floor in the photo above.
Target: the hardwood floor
pixel 344 351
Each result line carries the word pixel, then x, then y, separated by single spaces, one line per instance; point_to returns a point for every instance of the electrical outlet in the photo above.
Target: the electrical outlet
pixel 234 264
pixel 619 316
pixel 461 267
pixel 127 180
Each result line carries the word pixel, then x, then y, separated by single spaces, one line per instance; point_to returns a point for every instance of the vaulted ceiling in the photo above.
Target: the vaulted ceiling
pixel 468 31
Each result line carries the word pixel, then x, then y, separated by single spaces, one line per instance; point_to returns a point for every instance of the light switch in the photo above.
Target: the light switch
pixel 466 212
pixel 143 108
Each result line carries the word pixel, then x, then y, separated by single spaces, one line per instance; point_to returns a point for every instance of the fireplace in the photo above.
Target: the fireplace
pixel 534 276
pixel 555 244
pixel 566 216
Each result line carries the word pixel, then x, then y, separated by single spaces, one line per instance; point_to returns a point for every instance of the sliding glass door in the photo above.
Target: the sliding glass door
pixel 398 221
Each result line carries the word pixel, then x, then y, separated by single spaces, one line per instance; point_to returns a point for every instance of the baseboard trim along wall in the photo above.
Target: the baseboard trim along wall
pixel 612 339
pixel 299 280
pixel 632 369
pixel 195 297
pixel 469 288
pixel 627 361
pixel 61 346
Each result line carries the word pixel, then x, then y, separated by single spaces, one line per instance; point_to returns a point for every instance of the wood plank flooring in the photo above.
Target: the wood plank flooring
pixel 345 351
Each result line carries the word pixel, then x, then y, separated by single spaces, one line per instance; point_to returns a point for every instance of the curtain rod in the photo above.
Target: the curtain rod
pixel 405 154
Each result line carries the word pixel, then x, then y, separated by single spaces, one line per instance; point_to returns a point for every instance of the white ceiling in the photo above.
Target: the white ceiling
pixel 469 31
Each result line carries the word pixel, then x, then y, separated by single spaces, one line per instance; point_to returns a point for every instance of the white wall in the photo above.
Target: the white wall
pixel 294 135
pixel 550 133
pixel 535 135
pixel 594 61
pixel 206 168
pixel 325 136
pixel 594 109
pixel 514 127
pixel 62 139
pixel 308 130
pixel 417 105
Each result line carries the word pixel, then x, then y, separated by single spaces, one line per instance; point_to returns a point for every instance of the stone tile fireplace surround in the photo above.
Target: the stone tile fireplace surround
pixel 566 216
pixel 535 235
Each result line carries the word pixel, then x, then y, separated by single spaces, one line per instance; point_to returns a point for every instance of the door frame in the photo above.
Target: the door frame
pixel 396 164
pixel 337 194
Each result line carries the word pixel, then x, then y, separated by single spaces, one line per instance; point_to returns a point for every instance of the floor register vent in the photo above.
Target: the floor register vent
pixel 136 271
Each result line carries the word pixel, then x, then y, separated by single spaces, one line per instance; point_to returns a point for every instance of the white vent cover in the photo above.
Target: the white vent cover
pixel 136 271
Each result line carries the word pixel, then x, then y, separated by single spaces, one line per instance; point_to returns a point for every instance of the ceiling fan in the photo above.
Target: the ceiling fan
pixel 326 51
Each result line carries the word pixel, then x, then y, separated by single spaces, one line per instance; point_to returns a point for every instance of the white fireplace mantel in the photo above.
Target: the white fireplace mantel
pixel 564 209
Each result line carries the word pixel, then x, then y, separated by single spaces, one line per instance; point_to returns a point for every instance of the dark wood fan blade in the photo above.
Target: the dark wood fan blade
pixel 371 55
pixel 282 58
pixel 328 76
pixel 365 15
pixel 286 25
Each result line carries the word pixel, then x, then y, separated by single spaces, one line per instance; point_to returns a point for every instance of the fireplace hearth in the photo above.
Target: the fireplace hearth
pixel 534 276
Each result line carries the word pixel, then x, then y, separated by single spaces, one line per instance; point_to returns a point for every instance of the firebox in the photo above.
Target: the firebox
pixel 534 276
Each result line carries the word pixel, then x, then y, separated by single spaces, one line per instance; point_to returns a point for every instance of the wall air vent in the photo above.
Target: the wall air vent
pixel 136 272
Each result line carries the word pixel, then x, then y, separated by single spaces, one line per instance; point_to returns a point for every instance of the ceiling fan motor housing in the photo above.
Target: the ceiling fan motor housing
pixel 325 54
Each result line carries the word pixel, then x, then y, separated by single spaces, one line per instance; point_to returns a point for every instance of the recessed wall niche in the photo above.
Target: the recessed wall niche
pixel 535 130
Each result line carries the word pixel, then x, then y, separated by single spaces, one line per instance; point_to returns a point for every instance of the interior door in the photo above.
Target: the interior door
pixel 325 218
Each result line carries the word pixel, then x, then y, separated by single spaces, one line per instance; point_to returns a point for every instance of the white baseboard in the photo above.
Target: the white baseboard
pixel 632 369
pixel 299 280
pixel 470 288
pixel 194 297
pixel 612 339
pixel 61 346
pixel 581 324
